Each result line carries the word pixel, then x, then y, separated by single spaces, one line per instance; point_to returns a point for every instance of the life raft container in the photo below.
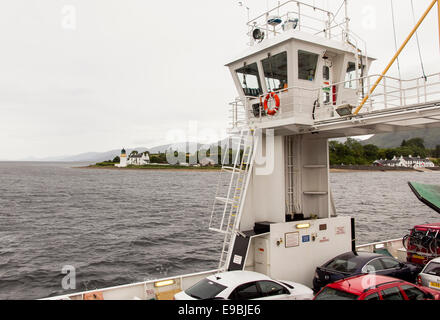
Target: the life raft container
pixel 272 112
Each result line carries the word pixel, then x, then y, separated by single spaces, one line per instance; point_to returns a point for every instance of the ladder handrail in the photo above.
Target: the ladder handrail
pixel 233 202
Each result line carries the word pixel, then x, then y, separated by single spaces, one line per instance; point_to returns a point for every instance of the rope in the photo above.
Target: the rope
pixel 418 43
pixel 395 37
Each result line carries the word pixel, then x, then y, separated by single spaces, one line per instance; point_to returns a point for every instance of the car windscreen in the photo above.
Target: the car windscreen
pixel 334 294
pixel 345 265
pixel 433 269
pixel 205 289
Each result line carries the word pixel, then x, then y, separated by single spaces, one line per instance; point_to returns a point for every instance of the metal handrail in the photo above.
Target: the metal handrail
pixel 390 95
pixel 286 3
pixel 328 22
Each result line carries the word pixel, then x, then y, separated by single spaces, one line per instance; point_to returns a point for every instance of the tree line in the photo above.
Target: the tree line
pixel 352 152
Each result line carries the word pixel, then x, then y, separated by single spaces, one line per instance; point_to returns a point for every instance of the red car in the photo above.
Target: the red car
pixel 373 287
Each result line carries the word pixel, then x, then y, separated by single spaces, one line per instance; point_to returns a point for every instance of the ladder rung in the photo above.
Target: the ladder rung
pixel 224 200
pixel 218 230
pixel 232 170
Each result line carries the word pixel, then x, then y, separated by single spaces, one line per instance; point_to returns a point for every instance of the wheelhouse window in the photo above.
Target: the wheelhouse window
pixel 326 73
pixel 350 76
pixel 250 80
pixel 307 63
pixel 275 72
pixel 326 90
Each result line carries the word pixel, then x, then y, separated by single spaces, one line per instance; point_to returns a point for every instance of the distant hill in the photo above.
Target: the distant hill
pixel 110 155
pixel 88 156
pixel 394 140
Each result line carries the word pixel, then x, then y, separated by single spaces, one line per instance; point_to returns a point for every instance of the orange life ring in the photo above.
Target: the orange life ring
pixel 273 111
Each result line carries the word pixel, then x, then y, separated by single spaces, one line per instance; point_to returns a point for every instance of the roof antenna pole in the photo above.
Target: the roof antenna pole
pixel 347 20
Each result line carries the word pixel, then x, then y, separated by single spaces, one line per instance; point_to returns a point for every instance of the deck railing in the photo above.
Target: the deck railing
pixel 307 106
pixel 308 18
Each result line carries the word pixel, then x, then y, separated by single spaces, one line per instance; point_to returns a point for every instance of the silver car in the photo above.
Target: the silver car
pixel 430 275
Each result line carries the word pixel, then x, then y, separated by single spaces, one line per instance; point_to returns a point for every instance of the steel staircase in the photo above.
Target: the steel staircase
pixel 231 190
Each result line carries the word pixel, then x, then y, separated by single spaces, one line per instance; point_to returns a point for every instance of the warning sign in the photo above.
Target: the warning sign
pixel 292 239
pixel 340 231
pixel 238 259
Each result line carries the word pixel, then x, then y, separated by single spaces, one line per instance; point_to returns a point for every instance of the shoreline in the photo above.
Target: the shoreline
pixel 333 169
pixel 153 168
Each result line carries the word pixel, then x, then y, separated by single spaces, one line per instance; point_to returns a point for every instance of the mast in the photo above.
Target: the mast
pixel 347 20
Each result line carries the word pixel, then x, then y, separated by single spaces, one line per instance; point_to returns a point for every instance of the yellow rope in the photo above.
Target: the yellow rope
pixel 396 55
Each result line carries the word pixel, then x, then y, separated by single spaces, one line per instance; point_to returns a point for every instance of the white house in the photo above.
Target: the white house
pixel 138 159
pixel 408 162
pixel 205 162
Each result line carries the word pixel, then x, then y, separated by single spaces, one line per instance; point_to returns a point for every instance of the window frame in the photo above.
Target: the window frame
pixel 232 295
pixel 364 268
pixel 270 55
pixel 382 293
pixel 261 89
pixel 412 287
pixel 424 271
pixel 389 258
pixel 316 73
pixel 372 294
pixel 348 82
pixel 286 291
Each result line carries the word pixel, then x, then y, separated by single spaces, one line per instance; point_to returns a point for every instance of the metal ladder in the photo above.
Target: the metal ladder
pixel 229 206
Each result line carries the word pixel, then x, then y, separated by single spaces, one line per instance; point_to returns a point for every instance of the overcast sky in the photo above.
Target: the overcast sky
pixel 94 75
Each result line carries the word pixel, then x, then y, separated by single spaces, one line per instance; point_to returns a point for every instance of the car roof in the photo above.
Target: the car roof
pixel 360 283
pixel 361 256
pixel 428 226
pixel 235 278
pixel 436 260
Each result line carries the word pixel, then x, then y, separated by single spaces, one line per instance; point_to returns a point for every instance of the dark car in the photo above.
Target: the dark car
pixel 356 263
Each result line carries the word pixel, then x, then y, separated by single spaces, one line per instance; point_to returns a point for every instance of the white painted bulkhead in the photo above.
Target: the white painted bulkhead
pixel 265 198
pixel 295 253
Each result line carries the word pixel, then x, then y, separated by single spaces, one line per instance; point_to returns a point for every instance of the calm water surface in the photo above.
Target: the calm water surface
pixel 117 227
